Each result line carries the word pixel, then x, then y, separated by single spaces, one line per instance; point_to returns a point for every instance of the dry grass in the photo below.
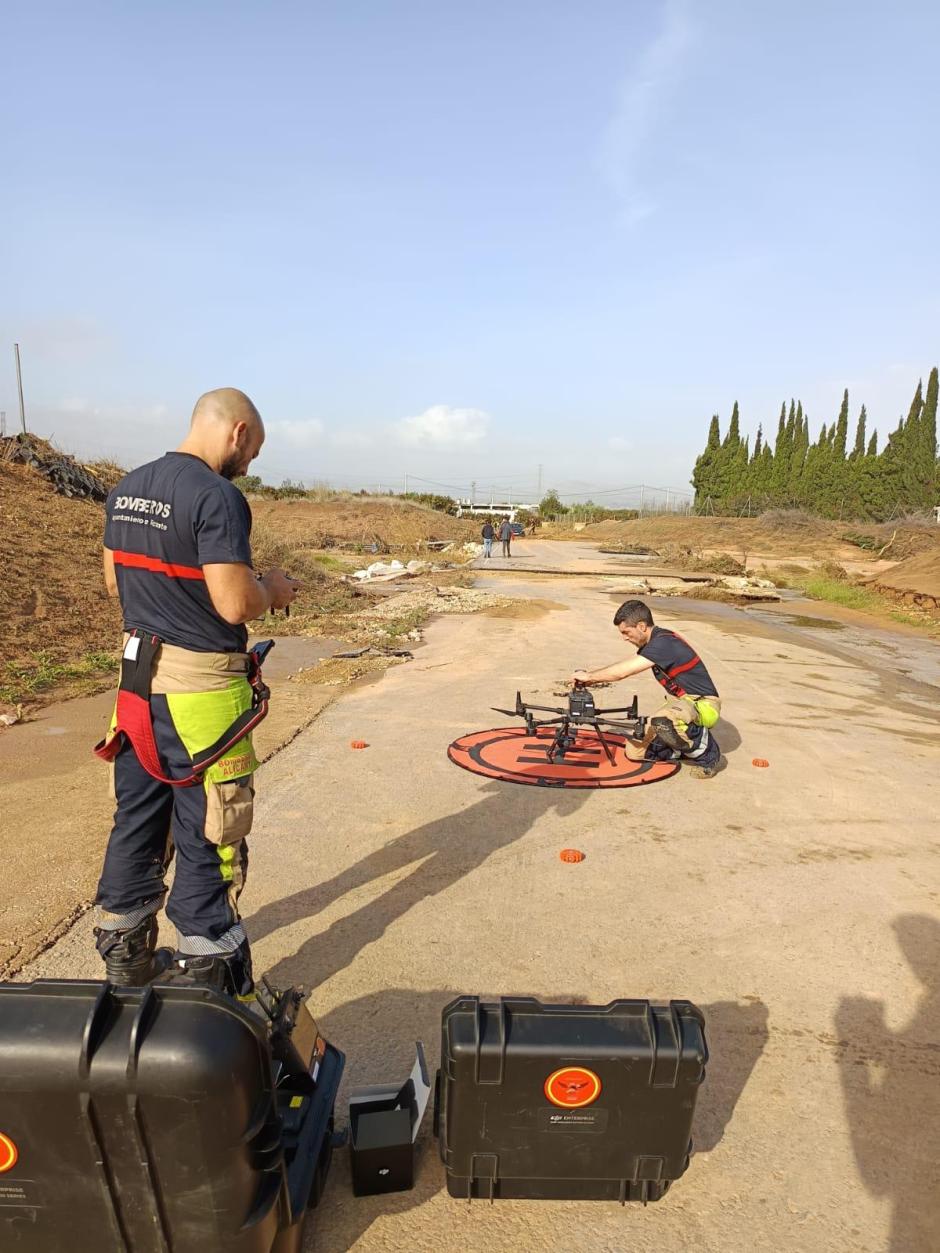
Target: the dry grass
pixel 361 524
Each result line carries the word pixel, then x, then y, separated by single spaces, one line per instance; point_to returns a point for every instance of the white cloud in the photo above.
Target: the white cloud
pixel 641 98
pixel 296 434
pixel 619 444
pixel 442 426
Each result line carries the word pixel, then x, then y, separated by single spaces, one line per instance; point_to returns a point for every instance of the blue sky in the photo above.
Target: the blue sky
pixel 461 241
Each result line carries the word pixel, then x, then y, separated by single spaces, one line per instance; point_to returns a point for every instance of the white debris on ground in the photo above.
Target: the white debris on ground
pixel 388 571
pixel 385 571
pixel 745 587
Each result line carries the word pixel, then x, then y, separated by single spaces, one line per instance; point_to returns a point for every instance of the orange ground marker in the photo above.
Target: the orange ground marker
pixel 571 854
pixel 760 761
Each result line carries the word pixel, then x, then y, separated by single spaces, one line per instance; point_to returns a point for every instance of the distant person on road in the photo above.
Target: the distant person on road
pixel 177 553
pixel 682 728
pixel 488 536
pixel 505 535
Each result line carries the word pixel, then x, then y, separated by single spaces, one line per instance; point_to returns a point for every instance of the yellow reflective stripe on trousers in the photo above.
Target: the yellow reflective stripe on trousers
pixel 228 856
pixel 199 718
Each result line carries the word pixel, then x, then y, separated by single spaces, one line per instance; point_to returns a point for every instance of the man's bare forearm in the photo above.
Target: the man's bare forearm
pixel 617 670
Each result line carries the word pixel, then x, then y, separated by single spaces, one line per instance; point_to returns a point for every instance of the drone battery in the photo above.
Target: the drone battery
pixel 577 1102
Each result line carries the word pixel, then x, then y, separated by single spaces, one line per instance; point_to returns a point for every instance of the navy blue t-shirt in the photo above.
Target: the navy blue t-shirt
pixel 165 521
pixel 676 665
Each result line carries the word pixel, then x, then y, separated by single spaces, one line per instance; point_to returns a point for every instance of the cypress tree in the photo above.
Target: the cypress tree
pixel 854 480
pixel 801 448
pixel 766 476
pixel 704 474
pixel 842 427
pixel 733 438
pixel 780 478
pixel 927 452
pixel 890 478
pixel 729 479
pixel 859 448
pixel 740 478
pixel 869 481
pixel 910 470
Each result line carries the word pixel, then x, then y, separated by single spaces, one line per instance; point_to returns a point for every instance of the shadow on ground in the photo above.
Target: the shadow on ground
pixel 728 736
pixel 891 1084
pixel 448 848
pixel 378 1033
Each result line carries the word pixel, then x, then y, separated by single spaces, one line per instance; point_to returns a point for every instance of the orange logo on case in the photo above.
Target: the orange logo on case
pixel 572 1087
pixel 8 1153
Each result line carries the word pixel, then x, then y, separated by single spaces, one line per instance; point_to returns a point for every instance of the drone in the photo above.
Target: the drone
pixel 581 712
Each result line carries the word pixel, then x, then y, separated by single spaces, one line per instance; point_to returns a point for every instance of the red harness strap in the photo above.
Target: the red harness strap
pixel 135 721
pixel 667 678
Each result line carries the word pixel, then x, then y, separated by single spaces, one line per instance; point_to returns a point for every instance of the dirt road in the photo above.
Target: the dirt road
pixel 797 905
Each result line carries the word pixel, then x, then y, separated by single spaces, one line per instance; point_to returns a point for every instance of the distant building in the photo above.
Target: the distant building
pixel 489 509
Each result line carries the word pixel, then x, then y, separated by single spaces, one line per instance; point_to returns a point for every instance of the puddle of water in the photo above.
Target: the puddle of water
pixel 804 620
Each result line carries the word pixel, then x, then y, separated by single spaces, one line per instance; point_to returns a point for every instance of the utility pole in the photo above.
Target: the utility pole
pixel 539 492
pixel 473 492
pixel 406 483
pixel 642 493
pixel 3 423
pixel 19 384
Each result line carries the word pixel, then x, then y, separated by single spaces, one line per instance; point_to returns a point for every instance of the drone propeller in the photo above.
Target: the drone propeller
pixel 510 713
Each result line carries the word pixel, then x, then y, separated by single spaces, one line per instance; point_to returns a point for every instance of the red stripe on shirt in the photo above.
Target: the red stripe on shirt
pixel 686 665
pixel 138 561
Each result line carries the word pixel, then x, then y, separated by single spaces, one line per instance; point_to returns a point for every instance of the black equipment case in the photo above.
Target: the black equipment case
pixel 567 1101
pixel 159 1119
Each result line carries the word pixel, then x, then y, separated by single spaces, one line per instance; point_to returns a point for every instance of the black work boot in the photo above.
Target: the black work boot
pixel 131 958
pixel 225 972
pixel 670 734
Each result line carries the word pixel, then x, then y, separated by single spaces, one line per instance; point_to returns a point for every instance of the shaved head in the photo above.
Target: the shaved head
pixel 226 431
pixel 226 406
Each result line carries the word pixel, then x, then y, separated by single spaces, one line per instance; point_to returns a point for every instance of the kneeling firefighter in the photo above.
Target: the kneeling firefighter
pixel 177 552
pixel 682 727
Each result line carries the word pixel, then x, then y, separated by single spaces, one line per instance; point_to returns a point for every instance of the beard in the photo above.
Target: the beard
pixel 231 467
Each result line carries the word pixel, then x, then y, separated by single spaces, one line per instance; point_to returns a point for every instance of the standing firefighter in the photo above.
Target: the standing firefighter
pixel 177 553
pixel 682 727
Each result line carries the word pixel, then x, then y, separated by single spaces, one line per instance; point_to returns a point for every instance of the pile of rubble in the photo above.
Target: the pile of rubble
pixel 388 571
pixel 65 474
pixel 740 587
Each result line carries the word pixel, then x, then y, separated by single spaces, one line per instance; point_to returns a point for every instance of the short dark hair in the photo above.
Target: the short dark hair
pixel 633 612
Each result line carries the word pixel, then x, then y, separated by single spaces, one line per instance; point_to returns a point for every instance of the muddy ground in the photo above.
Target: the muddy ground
pixel 798 905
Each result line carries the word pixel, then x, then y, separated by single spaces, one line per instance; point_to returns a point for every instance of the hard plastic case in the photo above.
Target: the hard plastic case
pixel 567 1101
pixel 156 1120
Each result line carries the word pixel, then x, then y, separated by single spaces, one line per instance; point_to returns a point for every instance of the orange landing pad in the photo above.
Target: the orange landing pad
pixel 511 754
